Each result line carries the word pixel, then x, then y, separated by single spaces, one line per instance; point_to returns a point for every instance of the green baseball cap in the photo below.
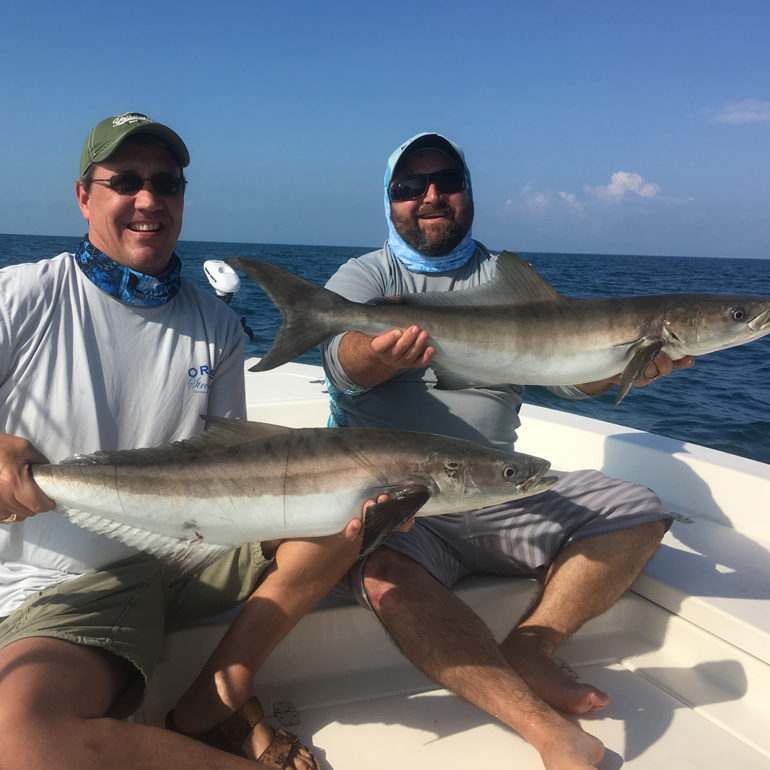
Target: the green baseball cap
pixel 105 137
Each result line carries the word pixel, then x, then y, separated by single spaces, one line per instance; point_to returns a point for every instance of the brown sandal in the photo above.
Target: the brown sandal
pixel 282 750
pixel 230 735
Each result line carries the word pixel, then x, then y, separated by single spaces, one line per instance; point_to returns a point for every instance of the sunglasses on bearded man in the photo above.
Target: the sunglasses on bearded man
pixel 415 186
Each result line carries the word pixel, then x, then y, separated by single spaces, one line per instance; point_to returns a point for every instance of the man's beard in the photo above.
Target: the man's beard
pixel 438 242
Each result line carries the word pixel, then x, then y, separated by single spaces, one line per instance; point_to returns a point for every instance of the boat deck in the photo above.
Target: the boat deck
pixel 685 654
pixel 681 698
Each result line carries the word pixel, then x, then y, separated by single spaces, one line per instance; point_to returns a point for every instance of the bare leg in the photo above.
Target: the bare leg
pixel 303 572
pixel 53 697
pixel 584 580
pixel 444 638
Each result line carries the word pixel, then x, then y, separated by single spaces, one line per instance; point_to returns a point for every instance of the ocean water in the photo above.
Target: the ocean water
pixel 722 402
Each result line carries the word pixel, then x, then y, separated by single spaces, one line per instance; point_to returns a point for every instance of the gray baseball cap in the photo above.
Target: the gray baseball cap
pixel 424 141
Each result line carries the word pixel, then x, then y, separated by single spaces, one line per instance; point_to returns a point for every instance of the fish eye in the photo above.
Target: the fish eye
pixel 738 314
pixel 508 472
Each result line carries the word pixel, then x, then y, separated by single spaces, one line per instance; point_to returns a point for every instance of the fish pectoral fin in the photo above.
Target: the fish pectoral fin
pixel 382 518
pixel 645 352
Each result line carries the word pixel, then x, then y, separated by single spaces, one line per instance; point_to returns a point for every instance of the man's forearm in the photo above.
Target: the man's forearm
pixel 596 388
pixel 357 358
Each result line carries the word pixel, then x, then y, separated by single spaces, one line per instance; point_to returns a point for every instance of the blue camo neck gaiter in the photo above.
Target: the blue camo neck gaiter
pixel 125 284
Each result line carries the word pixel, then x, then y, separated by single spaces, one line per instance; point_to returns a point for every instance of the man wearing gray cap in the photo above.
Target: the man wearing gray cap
pixel 587 538
pixel 109 348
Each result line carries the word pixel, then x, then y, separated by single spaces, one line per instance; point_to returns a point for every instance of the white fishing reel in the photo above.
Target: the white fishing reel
pixel 223 278
pixel 225 282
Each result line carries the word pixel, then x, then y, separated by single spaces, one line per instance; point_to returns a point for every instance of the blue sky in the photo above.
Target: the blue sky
pixel 608 127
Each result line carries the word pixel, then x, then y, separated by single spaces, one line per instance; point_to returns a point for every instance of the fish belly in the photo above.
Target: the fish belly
pixel 498 365
pixel 226 520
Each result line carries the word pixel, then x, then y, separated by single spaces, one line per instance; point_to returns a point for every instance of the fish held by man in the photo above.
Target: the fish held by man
pixel 191 501
pixel 516 328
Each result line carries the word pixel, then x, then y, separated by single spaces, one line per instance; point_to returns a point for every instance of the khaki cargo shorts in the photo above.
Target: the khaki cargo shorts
pixel 128 608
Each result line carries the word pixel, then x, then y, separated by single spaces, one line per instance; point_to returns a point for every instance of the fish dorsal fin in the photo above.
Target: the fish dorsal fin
pixel 518 275
pixel 514 281
pixel 230 432
pixel 221 432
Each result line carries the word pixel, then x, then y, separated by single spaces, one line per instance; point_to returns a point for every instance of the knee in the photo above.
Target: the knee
pixel 37 736
pixel 645 538
pixel 26 739
pixel 386 572
pixel 653 531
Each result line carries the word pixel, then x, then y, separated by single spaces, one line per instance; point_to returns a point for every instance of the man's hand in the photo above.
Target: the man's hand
pixel 370 361
pixel 20 497
pixel 406 349
pixel 661 366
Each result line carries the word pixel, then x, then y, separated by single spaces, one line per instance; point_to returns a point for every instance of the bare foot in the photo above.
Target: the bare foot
pixel 572 749
pixel 555 685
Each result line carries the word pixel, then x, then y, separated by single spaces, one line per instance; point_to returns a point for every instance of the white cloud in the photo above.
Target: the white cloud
pixel 623 185
pixel 739 113
pixel 535 200
pixel 623 191
pixel 571 200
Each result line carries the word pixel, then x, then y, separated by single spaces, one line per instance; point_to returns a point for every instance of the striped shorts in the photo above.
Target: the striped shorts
pixel 523 536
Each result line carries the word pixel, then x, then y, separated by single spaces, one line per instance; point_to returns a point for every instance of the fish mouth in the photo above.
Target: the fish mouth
pixel 537 484
pixel 761 322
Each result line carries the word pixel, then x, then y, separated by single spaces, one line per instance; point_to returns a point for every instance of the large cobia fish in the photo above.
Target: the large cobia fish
pixel 516 328
pixel 190 501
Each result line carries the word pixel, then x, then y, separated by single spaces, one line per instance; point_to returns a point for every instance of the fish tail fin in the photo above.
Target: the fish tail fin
pixel 382 518
pixel 305 308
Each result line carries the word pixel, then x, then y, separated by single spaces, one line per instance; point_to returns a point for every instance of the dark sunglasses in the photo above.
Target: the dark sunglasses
pixel 412 187
pixel 130 184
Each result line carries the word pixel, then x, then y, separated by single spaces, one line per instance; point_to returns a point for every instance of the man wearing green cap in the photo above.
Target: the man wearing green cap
pixel 105 349
pixel 588 537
